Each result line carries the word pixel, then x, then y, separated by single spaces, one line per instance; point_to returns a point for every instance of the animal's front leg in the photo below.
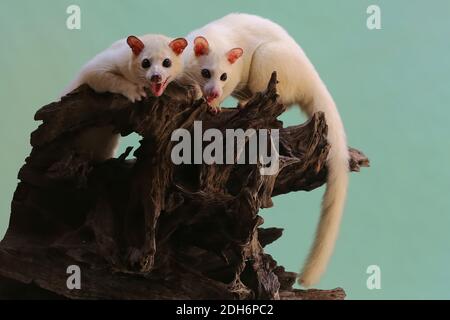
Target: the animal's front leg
pixel 197 91
pixel 107 81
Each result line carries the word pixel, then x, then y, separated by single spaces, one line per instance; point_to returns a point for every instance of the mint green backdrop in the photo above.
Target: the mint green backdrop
pixel 391 86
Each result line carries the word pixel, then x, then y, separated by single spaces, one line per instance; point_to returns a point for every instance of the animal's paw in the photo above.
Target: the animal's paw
pixel 198 94
pixel 135 93
pixel 142 92
pixel 214 109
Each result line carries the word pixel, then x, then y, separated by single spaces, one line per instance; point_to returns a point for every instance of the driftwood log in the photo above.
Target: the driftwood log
pixel 144 228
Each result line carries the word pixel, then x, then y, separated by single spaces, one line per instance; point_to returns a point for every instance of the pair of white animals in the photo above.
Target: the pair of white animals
pixel 237 52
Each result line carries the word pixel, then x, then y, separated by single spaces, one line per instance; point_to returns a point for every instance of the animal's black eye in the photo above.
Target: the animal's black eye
pixel 167 63
pixel 206 74
pixel 223 77
pixel 146 64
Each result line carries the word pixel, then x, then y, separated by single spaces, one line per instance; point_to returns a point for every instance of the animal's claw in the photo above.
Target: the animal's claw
pixel 135 93
pixel 214 110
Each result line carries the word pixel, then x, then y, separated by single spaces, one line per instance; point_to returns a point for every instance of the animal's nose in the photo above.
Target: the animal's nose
pixel 156 78
pixel 213 95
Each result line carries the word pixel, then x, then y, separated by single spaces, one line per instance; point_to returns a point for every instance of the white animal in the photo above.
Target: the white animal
pixel 127 67
pixel 237 54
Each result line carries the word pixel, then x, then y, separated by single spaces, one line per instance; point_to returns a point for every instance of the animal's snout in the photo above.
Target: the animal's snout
pixel 156 78
pixel 212 95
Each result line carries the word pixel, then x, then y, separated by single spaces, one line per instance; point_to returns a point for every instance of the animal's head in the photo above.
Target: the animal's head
pixel 157 60
pixel 211 68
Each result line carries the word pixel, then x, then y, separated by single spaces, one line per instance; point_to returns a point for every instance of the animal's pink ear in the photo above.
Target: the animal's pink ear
pixel 201 46
pixel 178 45
pixel 234 54
pixel 135 44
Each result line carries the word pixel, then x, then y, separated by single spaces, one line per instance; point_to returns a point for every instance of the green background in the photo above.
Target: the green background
pixel 391 86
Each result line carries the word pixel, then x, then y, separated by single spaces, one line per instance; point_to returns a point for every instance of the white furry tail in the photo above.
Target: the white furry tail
pixel 333 200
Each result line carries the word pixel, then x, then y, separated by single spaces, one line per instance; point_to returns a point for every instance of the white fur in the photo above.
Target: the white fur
pixel 119 70
pixel 268 47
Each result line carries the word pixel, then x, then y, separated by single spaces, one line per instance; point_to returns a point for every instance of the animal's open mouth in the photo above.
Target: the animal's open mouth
pixel 210 99
pixel 158 88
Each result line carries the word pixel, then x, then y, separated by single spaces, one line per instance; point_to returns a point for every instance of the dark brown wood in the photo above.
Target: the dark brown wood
pixel 144 228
